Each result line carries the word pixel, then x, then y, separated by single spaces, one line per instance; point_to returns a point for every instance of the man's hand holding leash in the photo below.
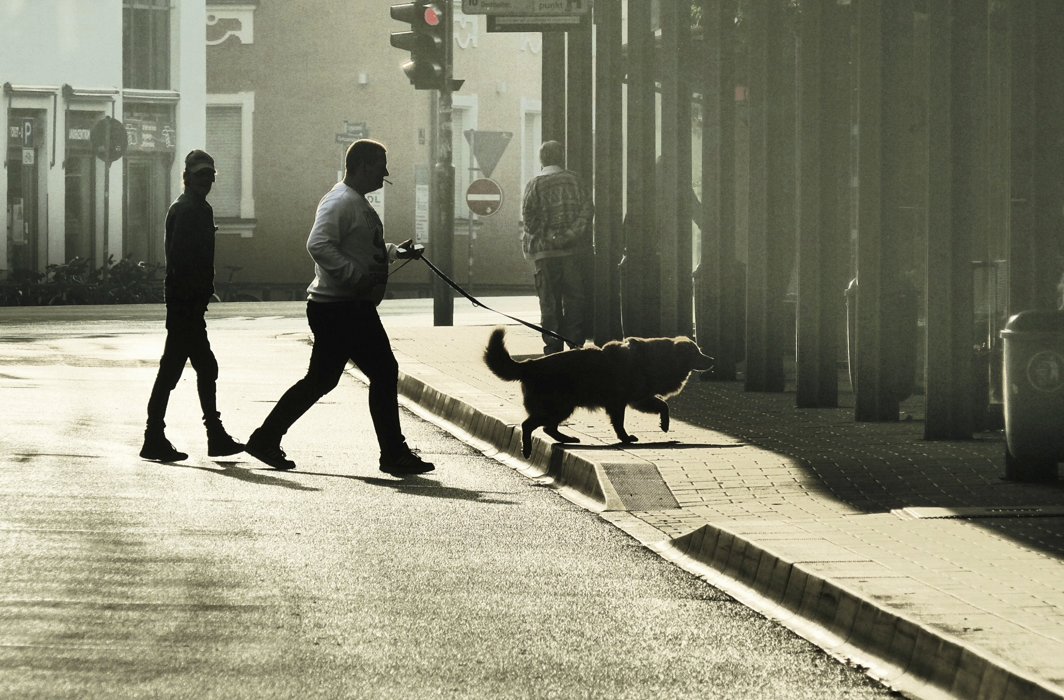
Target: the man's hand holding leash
pixel 408 250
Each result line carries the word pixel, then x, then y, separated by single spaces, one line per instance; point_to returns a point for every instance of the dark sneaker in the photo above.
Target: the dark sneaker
pixel 222 444
pixel 158 448
pixel 406 461
pixel 269 453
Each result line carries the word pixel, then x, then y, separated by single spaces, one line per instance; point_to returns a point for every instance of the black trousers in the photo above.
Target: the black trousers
pixel 345 330
pixel 186 341
pixel 560 288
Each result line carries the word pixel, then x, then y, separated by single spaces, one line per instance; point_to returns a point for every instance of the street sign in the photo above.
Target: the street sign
pixel 484 197
pixel 488 147
pixel 421 203
pixel 376 200
pixel 536 23
pixel 352 132
pixel 526 7
pixel 109 139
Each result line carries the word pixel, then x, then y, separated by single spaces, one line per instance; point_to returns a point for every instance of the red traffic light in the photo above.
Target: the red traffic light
pixel 424 39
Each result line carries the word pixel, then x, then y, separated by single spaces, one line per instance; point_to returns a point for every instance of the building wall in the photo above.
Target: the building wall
pixel 311 77
pixel 61 65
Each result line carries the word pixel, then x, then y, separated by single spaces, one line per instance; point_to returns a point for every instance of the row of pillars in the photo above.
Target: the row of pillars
pixel 891 141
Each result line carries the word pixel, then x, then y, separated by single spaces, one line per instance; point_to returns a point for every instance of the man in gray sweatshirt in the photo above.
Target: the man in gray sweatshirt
pixel 350 276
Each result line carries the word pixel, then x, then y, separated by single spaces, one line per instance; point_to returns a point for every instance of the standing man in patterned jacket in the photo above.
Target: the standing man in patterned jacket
pixel 189 284
pixel 557 214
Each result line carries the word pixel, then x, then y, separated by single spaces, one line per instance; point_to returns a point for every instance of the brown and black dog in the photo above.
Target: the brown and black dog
pixel 636 372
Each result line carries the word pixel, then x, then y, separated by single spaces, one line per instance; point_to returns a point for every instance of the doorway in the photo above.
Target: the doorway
pixel 80 216
pixel 147 184
pixel 25 240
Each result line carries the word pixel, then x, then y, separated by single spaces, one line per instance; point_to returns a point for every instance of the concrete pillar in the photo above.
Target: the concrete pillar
pixel 641 270
pixel 553 81
pixel 1049 154
pixel 823 139
pixel 609 158
pixel 674 172
pixel 579 142
pixel 885 349
pixel 769 322
pixel 1022 250
pixel 717 308
pixel 956 198
pixel 579 102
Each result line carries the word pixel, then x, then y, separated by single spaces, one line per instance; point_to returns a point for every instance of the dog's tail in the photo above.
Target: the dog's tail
pixel 498 359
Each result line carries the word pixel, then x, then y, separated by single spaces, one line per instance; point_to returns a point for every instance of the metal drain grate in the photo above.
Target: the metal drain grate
pixel 640 486
pixel 929 513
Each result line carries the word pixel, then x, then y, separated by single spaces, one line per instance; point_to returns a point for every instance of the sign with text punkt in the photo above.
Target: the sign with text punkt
pixel 526 7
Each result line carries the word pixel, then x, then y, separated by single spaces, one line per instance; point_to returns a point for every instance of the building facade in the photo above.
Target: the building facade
pixel 289 89
pixel 66 67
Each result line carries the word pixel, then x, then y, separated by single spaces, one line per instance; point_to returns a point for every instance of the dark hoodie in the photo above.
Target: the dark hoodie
pixel 190 233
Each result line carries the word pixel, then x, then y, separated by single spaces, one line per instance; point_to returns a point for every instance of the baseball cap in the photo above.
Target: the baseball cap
pixel 198 160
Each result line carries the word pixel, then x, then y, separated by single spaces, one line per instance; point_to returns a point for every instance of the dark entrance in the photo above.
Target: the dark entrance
pixel 26 243
pixel 81 189
pixel 147 163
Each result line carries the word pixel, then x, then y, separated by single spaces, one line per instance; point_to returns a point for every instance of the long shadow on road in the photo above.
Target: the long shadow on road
pixel 421 486
pixel 249 476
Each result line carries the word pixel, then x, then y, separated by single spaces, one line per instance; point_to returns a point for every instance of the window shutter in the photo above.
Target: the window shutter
pixel 224 142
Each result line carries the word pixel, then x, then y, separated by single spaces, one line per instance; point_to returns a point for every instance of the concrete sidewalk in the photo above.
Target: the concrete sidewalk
pixel 913 558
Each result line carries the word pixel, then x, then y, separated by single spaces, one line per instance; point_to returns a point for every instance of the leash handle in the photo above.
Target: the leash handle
pixel 476 302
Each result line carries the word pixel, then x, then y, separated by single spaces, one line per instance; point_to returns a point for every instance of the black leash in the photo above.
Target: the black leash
pixel 476 302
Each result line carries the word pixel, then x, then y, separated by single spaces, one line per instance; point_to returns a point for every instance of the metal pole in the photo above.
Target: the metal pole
pixel 471 215
pixel 443 185
pixel 106 198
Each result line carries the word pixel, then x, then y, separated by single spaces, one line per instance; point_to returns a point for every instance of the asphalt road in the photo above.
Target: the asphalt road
pixel 124 578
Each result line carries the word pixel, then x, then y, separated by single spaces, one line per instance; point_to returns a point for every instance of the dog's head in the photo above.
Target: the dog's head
pixel 678 353
pixel 694 357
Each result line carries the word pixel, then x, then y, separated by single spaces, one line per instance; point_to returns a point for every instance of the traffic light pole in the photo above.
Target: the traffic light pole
pixel 442 202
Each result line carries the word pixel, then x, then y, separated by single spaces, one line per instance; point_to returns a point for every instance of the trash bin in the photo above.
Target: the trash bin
pixel 1034 394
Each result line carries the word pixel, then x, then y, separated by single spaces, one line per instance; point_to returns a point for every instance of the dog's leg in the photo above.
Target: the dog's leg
pixel 558 435
pixel 654 405
pixel 527 427
pixel 616 414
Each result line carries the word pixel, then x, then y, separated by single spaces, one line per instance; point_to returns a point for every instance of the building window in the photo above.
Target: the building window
pixel 146 44
pixel 531 137
pixel 464 118
pixel 229 138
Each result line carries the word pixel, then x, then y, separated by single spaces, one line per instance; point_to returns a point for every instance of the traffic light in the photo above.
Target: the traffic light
pixel 424 40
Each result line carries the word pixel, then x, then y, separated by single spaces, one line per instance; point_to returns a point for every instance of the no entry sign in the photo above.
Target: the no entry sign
pixel 484 197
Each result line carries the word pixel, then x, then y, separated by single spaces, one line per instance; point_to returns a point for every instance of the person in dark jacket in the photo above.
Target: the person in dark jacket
pixel 189 285
pixel 557 214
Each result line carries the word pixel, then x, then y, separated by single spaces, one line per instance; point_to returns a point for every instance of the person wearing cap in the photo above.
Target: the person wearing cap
pixel 189 285
pixel 351 262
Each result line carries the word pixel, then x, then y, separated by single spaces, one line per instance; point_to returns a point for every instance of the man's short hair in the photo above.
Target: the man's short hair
pixel 363 151
pixel 552 153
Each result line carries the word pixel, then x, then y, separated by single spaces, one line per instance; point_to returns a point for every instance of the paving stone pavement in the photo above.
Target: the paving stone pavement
pixel 912 557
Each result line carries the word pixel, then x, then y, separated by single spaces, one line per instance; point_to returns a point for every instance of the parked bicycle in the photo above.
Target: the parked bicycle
pixel 230 291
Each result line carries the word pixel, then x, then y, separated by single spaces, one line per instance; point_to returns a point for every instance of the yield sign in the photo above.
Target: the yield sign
pixel 488 147
pixel 484 197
